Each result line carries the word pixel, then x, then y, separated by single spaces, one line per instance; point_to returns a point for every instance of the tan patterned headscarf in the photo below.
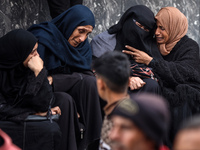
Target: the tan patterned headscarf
pixel 175 24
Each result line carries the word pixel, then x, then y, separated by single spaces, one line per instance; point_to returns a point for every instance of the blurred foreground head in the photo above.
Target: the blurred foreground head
pixel 140 123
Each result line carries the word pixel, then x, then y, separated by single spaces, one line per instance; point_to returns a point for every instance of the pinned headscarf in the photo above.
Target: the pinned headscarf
pixel 53 36
pixel 175 24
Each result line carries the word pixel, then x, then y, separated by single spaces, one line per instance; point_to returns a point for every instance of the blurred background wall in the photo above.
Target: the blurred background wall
pixel 23 13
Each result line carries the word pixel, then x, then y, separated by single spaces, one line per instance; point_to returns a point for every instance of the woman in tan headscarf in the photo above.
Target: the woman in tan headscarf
pixel 177 69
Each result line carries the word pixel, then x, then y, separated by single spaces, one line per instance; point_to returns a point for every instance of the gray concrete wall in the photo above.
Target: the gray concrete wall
pixel 23 13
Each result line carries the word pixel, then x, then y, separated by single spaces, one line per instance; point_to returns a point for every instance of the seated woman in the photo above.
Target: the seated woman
pixel 25 90
pixel 178 69
pixel 64 47
pixel 136 28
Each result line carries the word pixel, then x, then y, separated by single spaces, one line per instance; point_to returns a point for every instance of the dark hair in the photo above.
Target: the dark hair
pixel 114 68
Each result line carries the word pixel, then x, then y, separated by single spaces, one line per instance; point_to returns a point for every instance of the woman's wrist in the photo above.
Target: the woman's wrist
pixel 37 71
pixel 148 61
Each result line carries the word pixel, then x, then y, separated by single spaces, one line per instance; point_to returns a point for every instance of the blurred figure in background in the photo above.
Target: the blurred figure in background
pixel 188 137
pixel 56 7
pixel 139 123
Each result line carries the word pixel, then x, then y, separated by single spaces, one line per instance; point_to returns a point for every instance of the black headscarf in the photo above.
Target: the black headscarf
pixel 15 47
pixel 128 33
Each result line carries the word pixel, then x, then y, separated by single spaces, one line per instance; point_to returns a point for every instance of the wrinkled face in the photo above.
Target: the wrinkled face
pixel 162 36
pixel 125 135
pixel 33 53
pixel 79 35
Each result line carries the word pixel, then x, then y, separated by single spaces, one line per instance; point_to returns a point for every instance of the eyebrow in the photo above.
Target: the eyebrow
pixel 84 28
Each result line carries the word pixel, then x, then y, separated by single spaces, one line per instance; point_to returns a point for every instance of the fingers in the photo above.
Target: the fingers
pixel 78 115
pixel 50 78
pixel 131 48
pixel 56 110
pixel 133 52
pixel 136 83
pixel 128 52
pixel 35 64
pixel 41 113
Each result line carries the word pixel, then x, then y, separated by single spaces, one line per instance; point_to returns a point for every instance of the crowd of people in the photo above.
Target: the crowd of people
pixel 130 88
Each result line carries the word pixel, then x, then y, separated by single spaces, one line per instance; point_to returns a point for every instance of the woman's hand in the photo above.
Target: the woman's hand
pixel 54 111
pixel 138 56
pixel 136 83
pixel 36 64
pixel 50 78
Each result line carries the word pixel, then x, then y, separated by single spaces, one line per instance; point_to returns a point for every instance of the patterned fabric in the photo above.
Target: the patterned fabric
pixel 105 141
pixel 142 72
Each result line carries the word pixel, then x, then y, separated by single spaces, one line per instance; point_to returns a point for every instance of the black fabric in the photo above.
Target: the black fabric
pixel 14 51
pixel 82 87
pixel 179 76
pixel 34 96
pixel 128 33
pixel 68 121
pixel 19 89
pixel 57 7
pixel 42 135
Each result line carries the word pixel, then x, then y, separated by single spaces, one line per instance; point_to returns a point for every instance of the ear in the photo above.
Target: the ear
pixel 101 84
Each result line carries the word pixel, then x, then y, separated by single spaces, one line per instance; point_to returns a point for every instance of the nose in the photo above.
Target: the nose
pixel 157 31
pixel 82 38
pixel 114 134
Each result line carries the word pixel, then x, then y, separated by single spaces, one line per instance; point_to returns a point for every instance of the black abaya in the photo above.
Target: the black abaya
pixel 22 94
pixel 82 87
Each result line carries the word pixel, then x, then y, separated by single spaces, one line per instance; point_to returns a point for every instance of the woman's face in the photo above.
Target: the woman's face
pixel 33 53
pixel 161 35
pixel 79 35
pixel 141 26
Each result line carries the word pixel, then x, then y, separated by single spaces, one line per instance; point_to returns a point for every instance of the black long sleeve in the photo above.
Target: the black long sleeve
pixel 34 97
pixel 181 66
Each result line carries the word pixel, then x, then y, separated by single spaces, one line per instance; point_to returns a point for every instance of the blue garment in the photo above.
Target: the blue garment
pixel 53 36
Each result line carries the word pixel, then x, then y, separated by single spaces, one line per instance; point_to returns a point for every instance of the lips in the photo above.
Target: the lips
pixel 159 38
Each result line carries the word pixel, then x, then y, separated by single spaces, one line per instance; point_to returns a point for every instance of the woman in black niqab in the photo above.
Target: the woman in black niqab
pixel 129 33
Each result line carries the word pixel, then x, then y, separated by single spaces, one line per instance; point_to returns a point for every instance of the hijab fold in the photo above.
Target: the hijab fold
pixel 175 24
pixel 53 36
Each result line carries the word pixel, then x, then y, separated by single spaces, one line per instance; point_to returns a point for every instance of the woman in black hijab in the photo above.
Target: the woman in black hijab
pixel 25 90
pixel 135 28
pixel 67 55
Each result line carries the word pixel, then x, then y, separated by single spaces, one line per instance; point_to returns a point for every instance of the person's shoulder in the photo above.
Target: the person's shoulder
pixel 187 40
pixel 188 45
pixel 102 43
pixel 105 36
